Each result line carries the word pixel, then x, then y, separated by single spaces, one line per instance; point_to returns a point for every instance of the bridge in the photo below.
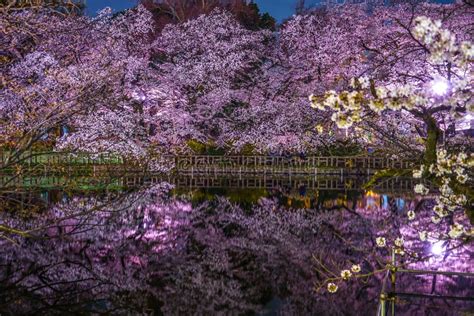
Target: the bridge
pixel 80 164
pixel 275 181
pixel 312 165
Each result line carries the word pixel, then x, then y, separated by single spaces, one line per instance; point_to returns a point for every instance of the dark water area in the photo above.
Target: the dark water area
pixel 208 247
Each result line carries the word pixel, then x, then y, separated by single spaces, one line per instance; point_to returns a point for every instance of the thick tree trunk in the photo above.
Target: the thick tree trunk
pixel 432 138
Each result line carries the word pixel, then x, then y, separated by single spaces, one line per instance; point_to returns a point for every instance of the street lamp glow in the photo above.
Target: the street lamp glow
pixel 439 86
pixel 438 248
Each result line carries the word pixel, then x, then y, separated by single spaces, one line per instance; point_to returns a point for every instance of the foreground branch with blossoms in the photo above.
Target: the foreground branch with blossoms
pixel 445 96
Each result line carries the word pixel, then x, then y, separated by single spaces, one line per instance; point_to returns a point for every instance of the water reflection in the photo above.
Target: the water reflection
pixel 301 193
pixel 203 251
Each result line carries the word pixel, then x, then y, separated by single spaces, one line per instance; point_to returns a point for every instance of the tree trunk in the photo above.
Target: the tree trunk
pixel 432 138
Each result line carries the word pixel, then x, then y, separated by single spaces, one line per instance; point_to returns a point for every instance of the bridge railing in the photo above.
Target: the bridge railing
pixel 220 163
pixel 184 181
pixel 275 162
pixel 64 158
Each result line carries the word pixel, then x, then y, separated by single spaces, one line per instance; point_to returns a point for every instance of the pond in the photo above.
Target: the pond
pixel 214 247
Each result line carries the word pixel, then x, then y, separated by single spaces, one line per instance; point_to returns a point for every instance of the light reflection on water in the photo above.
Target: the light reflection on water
pixel 204 251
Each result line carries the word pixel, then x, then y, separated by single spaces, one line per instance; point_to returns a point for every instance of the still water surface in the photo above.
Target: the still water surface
pixel 205 250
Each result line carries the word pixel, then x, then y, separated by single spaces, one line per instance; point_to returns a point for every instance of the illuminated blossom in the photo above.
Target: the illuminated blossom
pixel 417 173
pixel 456 230
pixel 421 189
pixel 346 274
pixel 377 106
pixel 380 241
pixel 332 288
pixel 381 92
pixel 440 210
pixel 462 178
pixel 342 120
pixel 399 251
pixel 399 242
pixel 319 128
pixel 355 268
pixel 315 104
pixel 423 235
pixel 461 199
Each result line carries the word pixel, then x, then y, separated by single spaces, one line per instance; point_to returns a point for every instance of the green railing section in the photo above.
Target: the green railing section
pixel 64 158
pixel 76 164
pixel 235 164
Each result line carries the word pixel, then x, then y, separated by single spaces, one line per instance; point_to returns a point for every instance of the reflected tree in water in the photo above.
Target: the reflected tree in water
pixel 147 251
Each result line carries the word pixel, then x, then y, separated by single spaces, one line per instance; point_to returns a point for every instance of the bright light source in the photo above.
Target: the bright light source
pixel 439 86
pixel 438 248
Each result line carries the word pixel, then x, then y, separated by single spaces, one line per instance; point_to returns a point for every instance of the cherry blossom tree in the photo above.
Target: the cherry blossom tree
pixel 312 52
pixel 120 248
pixel 212 80
pixel 118 122
pixel 91 74
pixel 320 48
pixel 29 108
pixel 448 69
pixel 208 58
pixel 412 81
pixel 272 116
pixel 146 250
pixel 86 252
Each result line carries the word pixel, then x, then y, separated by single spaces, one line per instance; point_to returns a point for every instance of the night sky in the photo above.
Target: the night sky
pixel 279 9
pixel 117 5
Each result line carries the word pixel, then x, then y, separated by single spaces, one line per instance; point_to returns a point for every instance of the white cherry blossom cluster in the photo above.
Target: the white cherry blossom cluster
pixel 381 242
pixel 451 165
pixel 346 274
pixel 442 43
pixel 349 106
pixel 452 171
pixel 398 244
